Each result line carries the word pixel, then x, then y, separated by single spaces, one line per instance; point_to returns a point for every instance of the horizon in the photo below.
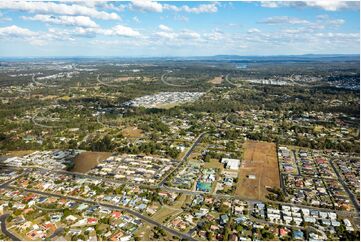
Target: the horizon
pixel 195 56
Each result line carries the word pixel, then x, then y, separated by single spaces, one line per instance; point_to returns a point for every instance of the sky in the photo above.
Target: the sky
pixel 144 28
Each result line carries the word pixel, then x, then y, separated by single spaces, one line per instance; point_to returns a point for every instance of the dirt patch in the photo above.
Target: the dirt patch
pixel 216 80
pixel 19 152
pixel 86 161
pixel 126 78
pixel 132 132
pixel 260 161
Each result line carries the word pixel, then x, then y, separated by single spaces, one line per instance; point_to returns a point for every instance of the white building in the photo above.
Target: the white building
pixel 232 164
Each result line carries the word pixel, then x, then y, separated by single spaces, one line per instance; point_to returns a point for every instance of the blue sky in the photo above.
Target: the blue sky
pixel 150 28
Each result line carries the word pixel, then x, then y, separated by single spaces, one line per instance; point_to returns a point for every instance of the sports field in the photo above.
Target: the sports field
pixel 259 160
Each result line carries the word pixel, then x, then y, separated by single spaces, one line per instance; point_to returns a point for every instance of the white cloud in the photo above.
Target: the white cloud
pixel 166 35
pixel 164 28
pixel 118 30
pixel 15 32
pixel 82 21
pixel 214 36
pixel 253 30
pixel 181 18
pixel 269 4
pixel 325 19
pixel 152 6
pixel 336 22
pixel 332 5
pixel 188 34
pixel 121 30
pixel 202 8
pixel 58 8
pixel 147 5
pixel 184 35
pixel 33 38
pixel 284 20
pixel 325 5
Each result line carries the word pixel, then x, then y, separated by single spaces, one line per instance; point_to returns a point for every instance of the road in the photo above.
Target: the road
pixel 342 181
pixel 233 84
pixel 106 84
pixel 182 191
pixel 6 183
pixel 162 78
pixel 234 125
pixel 33 119
pixel 56 232
pixel 4 229
pixel 184 158
pixel 297 163
pixel 41 84
pixel 111 206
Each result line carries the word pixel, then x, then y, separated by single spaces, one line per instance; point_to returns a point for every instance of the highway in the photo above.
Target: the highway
pixel 111 206
pixel 106 84
pixel 162 78
pixel 42 84
pixel 4 229
pixel 233 84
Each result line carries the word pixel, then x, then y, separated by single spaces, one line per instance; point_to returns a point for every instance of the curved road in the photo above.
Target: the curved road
pixel 106 84
pixel 233 84
pixel 42 84
pixel 33 119
pixel 4 229
pixel 162 78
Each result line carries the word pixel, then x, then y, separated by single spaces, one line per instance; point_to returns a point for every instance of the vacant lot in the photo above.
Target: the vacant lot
pixel 126 78
pixel 260 160
pixel 216 80
pixel 88 160
pixel 132 132
pixel 19 152
pixel 214 163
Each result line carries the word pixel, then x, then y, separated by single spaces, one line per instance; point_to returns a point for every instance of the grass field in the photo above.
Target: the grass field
pixel 259 159
pixel 88 160
pixel 214 163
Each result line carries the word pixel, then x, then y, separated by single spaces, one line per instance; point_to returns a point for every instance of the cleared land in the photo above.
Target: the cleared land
pixel 216 80
pixel 214 163
pixel 88 160
pixel 126 78
pixel 19 152
pixel 260 160
pixel 132 132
